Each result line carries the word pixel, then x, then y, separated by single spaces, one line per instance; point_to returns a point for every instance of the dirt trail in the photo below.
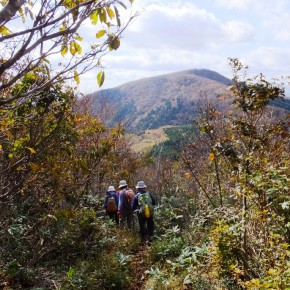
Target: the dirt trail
pixel 139 265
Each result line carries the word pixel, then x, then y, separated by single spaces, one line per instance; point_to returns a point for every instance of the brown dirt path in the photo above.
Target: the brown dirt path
pixel 139 265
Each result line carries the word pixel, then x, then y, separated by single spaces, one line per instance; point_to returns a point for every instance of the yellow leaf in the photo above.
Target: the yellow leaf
pixel 64 50
pixel 94 18
pixel 72 48
pixel 9 133
pixel 100 78
pixel 79 38
pixel 110 13
pixel 34 167
pixel 63 27
pixel 255 282
pixel 22 15
pixel 4 30
pixel 32 150
pixel 77 77
pixel 78 48
pixel 100 33
pixel 211 156
pixel 187 175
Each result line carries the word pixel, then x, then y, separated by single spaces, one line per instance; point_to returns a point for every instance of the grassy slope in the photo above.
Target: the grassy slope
pixel 146 140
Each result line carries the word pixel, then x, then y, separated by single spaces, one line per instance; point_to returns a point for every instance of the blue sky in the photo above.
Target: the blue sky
pixel 172 35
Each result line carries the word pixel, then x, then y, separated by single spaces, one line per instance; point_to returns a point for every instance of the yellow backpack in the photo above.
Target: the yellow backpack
pixel 145 205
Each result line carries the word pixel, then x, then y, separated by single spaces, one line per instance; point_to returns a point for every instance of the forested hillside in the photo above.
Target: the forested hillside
pixel 170 99
pixel 219 186
pixel 167 100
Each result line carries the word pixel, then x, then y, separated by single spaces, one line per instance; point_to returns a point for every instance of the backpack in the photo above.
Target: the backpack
pixel 145 205
pixel 112 204
pixel 129 196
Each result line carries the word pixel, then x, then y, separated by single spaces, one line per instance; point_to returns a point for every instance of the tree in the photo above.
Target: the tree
pixel 51 28
pixel 243 155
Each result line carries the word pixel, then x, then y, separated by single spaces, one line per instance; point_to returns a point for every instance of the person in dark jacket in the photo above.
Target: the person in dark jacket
pixel 146 224
pixel 111 202
pixel 125 212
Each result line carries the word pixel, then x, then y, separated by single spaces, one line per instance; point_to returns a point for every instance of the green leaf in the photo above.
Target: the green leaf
pixel 114 43
pixel 71 272
pixel 101 78
pixel 100 33
pixel 103 15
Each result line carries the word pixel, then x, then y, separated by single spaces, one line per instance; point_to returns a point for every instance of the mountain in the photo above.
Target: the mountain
pixel 171 99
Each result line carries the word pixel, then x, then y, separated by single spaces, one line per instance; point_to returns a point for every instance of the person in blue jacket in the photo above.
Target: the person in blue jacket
pixel 111 202
pixel 125 212
pixel 146 224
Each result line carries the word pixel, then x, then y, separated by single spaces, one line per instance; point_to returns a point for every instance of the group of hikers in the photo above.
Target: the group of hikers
pixel 121 204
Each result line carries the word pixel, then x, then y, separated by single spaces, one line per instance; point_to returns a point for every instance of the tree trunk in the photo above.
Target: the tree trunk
pixel 9 10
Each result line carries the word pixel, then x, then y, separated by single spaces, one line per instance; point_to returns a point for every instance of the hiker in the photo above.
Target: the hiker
pixel 111 202
pixel 125 212
pixel 143 203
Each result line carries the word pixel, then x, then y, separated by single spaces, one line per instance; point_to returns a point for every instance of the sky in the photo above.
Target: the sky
pixel 171 35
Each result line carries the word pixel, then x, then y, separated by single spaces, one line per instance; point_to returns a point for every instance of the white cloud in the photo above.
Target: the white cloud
pixel 269 59
pixel 236 31
pixel 249 5
pixel 188 27
pixel 174 35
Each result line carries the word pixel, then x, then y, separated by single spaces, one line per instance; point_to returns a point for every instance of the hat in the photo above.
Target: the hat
pixel 111 188
pixel 141 184
pixel 122 183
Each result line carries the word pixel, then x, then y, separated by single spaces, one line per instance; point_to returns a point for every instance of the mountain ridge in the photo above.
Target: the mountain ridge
pixel 171 99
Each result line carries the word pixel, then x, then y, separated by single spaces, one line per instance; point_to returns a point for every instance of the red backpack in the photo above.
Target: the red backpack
pixel 112 204
pixel 129 196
